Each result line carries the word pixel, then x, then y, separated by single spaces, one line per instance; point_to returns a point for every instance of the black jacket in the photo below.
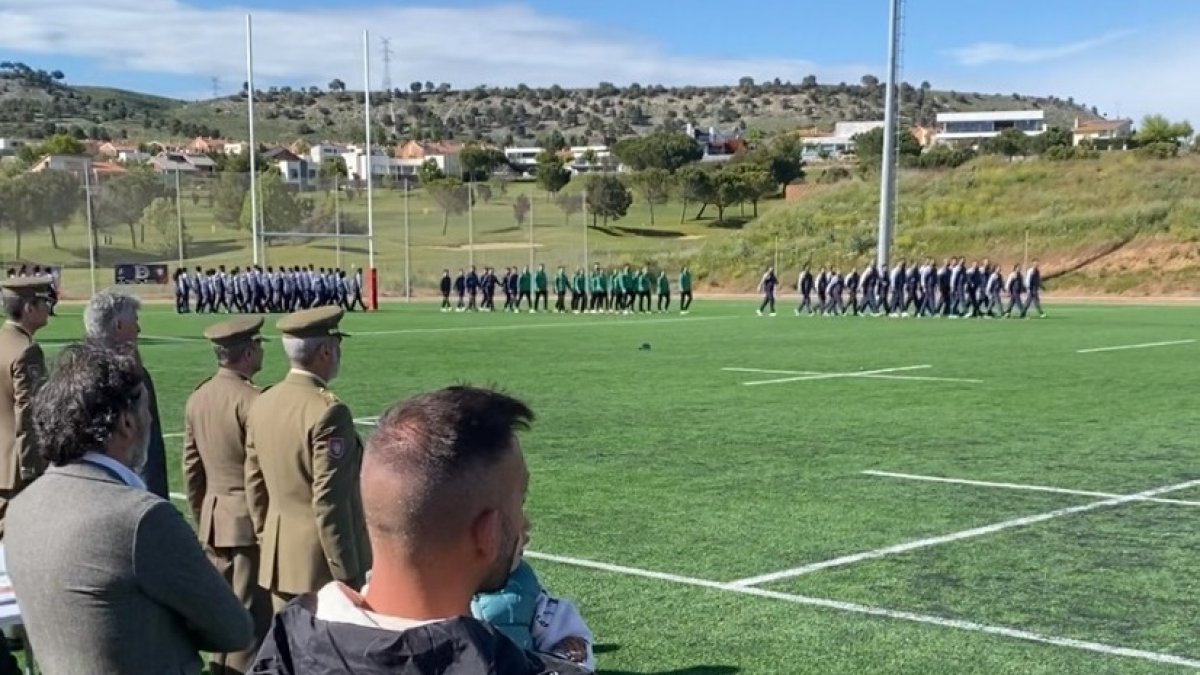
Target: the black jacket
pixel 301 644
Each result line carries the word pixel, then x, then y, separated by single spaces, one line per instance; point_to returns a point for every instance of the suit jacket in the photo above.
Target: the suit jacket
pixel 155 471
pixel 115 582
pixel 302 461
pixel 22 371
pixel 214 459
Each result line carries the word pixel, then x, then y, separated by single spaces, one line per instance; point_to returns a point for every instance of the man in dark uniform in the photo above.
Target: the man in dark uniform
pixel 560 290
pixel 472 289
pixel 767 286
pixel 805 286
pixel 445 289
pixel 214 472
pixel 487 284
pixel 685 290
pixel 1033 290
pixel 26 311
pixel 579 298
pixel 540 287
pixel 852 281
pixel 460 289
pixel 524 288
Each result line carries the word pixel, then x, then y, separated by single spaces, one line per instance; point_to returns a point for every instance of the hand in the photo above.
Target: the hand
pixel 573 648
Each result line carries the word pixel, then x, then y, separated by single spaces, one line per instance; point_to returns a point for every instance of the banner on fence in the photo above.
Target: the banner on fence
pixel 127 273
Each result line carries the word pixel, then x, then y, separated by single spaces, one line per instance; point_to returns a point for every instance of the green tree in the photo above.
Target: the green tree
pixel 228 195
pixel 332 169
pixel 728 187
pixel 123 199
pixel 868 147
pixel 1158 129
pixel 783 160
pixel 653 186
pixel 450 195
pixel 17 208
pixel 669 151
pixel 61 144
pixel 608 197
pixel 570 203
pixel 693 186
pixel 478 162
pixel 483 192
pixel 279 208
pixel 1010 143
pixel 56 197
pixel 553 141
pixel 756 183
pixel 429 173
pixel 521 208
pixel 1052 137
pixel 161 217
pixel 552 176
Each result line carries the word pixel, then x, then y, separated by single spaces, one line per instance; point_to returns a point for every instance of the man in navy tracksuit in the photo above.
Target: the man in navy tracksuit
pixel 767 285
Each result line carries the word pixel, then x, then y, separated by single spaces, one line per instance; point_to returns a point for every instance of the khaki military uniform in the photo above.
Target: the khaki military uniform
pixel 303 457
pixel 214 459
pixel 22 371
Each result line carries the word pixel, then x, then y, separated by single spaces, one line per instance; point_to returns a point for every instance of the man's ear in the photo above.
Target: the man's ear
pixel 485 534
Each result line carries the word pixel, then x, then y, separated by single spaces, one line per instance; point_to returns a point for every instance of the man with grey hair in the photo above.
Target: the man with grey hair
pixel 302 462
pixel 112 318
pixel 110 578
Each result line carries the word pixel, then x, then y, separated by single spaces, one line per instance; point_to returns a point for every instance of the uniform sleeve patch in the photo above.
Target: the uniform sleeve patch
pixel 337 448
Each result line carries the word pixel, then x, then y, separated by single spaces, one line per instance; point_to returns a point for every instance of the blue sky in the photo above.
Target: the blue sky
pixel 1125 58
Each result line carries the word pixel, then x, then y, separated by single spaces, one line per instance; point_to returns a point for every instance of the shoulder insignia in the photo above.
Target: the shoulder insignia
pixel 337 448
pixel 202 383
pixel 330 397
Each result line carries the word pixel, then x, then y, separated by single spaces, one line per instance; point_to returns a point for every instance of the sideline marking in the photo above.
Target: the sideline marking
pixel 1020 486
pixel 884 374
pixel 1143 345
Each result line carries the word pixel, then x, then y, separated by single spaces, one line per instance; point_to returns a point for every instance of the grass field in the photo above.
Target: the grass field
pixel 709 526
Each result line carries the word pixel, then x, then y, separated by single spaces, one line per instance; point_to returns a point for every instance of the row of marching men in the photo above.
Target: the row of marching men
pixel 257 291
pixel 954 289
pixel 617 291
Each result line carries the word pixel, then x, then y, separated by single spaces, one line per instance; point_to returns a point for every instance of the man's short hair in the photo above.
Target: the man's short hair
pixel 14 307
pixel 78 407
pixel 440 448
pixel 105 310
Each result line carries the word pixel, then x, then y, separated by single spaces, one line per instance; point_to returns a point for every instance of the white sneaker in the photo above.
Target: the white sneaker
pixel 758 312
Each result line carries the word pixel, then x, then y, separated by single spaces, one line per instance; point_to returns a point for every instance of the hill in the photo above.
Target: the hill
pixel 34 104
pixel 1120 223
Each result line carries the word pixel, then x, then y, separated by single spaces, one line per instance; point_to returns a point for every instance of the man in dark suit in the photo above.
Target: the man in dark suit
pixel 112 318
pixel 114 581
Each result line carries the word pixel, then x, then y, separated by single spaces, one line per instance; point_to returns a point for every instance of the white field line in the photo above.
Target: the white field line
pixel 915 378
pixel 366 421
pixel 830 376
pixel 956 536
pixel 518 326
pixel 178 496
pixel 173 338
pixel 855 608
pixel 1144 345
pixel 1019 486
pixel 176 434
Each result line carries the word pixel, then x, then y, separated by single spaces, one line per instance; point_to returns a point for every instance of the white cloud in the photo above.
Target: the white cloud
pixel 984 53
pixel 1151 73
pixel 501 44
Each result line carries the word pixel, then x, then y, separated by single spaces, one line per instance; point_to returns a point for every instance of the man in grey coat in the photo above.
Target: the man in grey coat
pixel 110 578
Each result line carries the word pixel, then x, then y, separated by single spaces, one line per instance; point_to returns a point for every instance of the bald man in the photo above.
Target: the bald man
pixel 443 485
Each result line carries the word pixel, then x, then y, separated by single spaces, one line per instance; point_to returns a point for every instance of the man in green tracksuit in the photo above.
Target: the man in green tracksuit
pixel 599 288
pixel 629 286
pixel 643 281
pixel 616 296
pixel 540 286
pixel 579 302
pixel 560 289
pixel 664 292
pixel 523 283
pixel 685 290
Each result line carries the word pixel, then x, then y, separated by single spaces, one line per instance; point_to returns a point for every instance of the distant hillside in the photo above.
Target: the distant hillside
pixel 1120 223
pixel 35 104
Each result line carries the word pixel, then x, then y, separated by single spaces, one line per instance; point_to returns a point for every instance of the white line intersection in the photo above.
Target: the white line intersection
pixel 879 374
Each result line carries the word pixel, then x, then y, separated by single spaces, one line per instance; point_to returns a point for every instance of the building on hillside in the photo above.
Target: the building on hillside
pixel 1114 133
pixel 78 165
pixel 102 170
pixel 971 128
pixel 299 172
pixel 590 159
pixel 279 154
pixel 444 153
pixel 170 162
pixel 201 145
pixel 717 145
pixel 839 144
pixel 523 159
pixel 322 151
pixel 11 146
pixel 925 135
pixel 125 153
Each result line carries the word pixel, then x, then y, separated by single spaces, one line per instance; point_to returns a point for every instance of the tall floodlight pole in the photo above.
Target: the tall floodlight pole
pixel 470 222
pixel 887 184
pixel 531 218
pixel 587 269
pixel 87 194
pixel 407 255
pixel 370 181
pixel 253 149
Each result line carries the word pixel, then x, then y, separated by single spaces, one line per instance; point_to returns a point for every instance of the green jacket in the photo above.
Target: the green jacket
pixel 685 282
pixel 664 284
pixel 523 282
pixel 643 282
pixel 539 280
pixel 560 282
pixel 578 283
pixel 618 283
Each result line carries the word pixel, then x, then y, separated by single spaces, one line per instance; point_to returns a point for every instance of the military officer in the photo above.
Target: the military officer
pixel 302 462
pixel 214 464
pixel 26 310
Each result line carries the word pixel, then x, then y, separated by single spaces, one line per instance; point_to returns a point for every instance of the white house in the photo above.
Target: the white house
pixel 11 146
pixel 972 127
pixel 522 159
pixel 299 172
pixel 75 164
pixel 840 143
pixel 323 151
pixel 132 156
pixel 1102 130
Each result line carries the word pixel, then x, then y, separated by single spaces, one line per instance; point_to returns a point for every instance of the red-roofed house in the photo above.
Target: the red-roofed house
pixel 1102 130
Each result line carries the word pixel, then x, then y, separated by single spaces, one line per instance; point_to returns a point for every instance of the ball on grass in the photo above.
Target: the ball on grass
pixel 645 347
